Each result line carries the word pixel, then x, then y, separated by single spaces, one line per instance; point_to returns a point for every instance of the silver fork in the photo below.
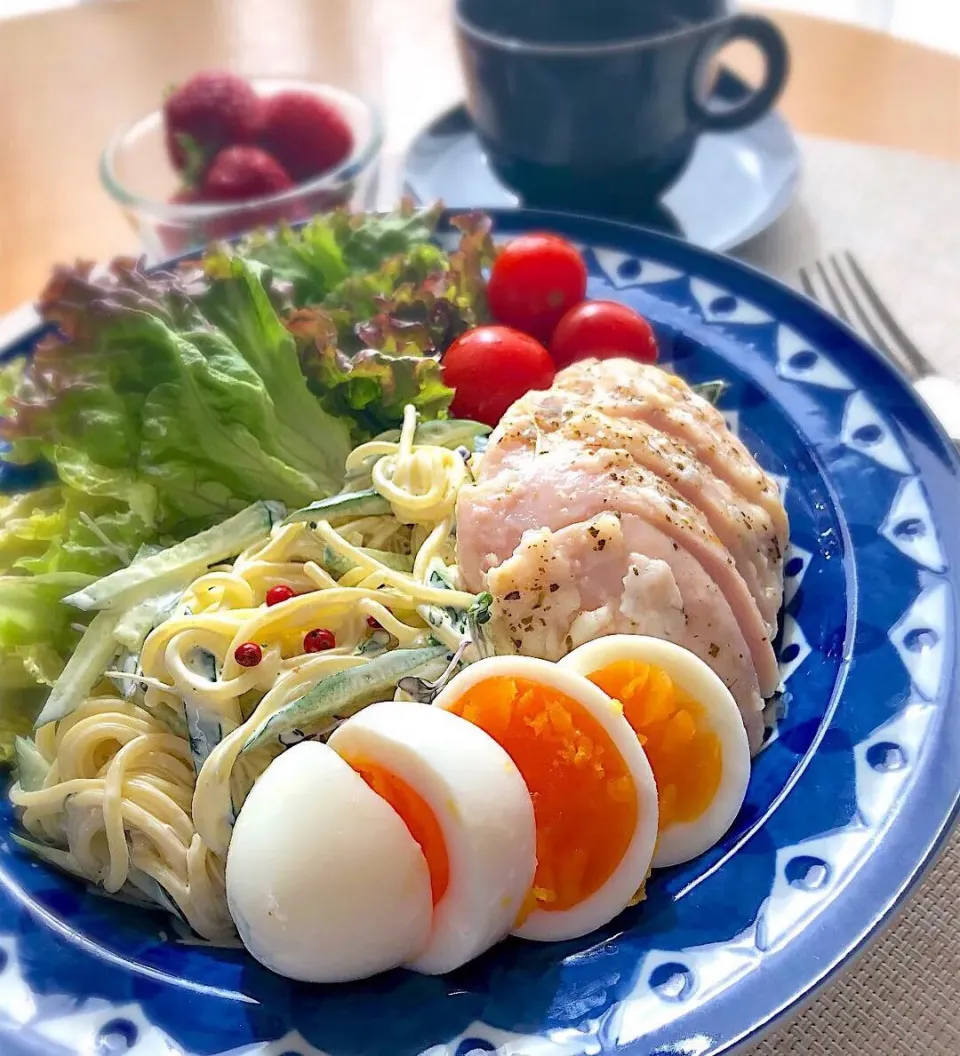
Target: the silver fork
pixel 840 285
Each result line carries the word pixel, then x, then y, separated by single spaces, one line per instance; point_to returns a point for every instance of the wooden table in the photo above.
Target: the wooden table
pixel 69 77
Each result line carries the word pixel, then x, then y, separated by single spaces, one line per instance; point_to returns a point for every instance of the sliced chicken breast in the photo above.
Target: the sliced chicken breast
pixel 627 389
pixel 619 501
pixel 564 425
pixel 610 575
pixel 561 491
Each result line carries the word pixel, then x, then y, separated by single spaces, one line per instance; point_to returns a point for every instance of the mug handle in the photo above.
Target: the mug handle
pixel 770 41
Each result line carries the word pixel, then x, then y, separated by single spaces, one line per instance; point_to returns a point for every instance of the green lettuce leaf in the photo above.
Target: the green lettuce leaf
pixel 301 432
pixel 375 341
pixel 167 400
pixel 374 387
pixel 180 395
pixel 313 260
pixel 62 530
pixel 53 541
pixel 19 706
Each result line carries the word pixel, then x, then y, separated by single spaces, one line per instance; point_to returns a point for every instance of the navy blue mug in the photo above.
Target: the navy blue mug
pixel 597 104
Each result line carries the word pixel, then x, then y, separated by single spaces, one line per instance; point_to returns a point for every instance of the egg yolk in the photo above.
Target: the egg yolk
pixel 584 798
pixel 416 815
pixel 684 753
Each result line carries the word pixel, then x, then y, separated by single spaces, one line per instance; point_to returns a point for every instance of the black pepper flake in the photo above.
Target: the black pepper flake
pixel 514 595
pixel 601 544
pixel 714 650
pixel 554 587
pixel 594 531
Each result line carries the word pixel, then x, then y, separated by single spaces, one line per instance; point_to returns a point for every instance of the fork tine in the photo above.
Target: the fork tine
pixel 838 309
pixel 917 359
pixel 807 285
pixel 866 323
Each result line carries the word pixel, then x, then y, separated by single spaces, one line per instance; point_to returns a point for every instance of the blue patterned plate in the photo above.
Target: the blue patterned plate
pixel 848 803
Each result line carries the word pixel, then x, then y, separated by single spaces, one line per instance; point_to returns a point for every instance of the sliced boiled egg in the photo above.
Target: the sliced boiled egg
pixel 691 731
pixel 468 808
pixel 324 881
pixel 594 798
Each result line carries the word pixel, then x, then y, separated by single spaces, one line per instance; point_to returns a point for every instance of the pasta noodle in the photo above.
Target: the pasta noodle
pixel 132 798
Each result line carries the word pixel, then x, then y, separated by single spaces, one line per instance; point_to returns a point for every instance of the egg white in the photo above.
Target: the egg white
pixel 324 881
pixel 630 873
pixel 482 806
pixel 682 841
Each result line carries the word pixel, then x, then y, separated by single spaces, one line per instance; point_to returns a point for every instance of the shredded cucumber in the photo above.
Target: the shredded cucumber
pixel 140 889
pixel 204 729
pixel 398 562
pixel 711 391
pixel 375 645
pixel 128 664
pixel 366 503
pixel 428 685
pixel 32 768
pixel 138 622
pixel 84 669
pixel 448 625
pixel 338 564
pixel 182 562
pixel 447 432
pixel 343 694
pixel 152 894
pixel 55 856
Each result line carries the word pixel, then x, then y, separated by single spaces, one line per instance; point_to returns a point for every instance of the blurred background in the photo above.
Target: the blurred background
pixel 932 22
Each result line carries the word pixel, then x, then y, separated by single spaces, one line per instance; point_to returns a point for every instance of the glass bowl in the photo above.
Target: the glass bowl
pixel 137 174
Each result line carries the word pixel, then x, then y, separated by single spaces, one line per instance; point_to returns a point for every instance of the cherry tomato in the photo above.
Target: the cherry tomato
pixel 603 329
pixel 535 280
pixel 490 367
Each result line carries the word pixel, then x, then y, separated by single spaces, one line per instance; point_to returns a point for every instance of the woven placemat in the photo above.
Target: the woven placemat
pixel 902 997
pixel 900 214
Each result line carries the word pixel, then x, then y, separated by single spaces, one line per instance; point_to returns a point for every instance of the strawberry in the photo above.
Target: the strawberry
pixel 237 174
pixel 212 110
pixel 305 133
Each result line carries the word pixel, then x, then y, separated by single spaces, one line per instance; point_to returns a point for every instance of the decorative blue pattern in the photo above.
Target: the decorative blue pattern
pixel 846 805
